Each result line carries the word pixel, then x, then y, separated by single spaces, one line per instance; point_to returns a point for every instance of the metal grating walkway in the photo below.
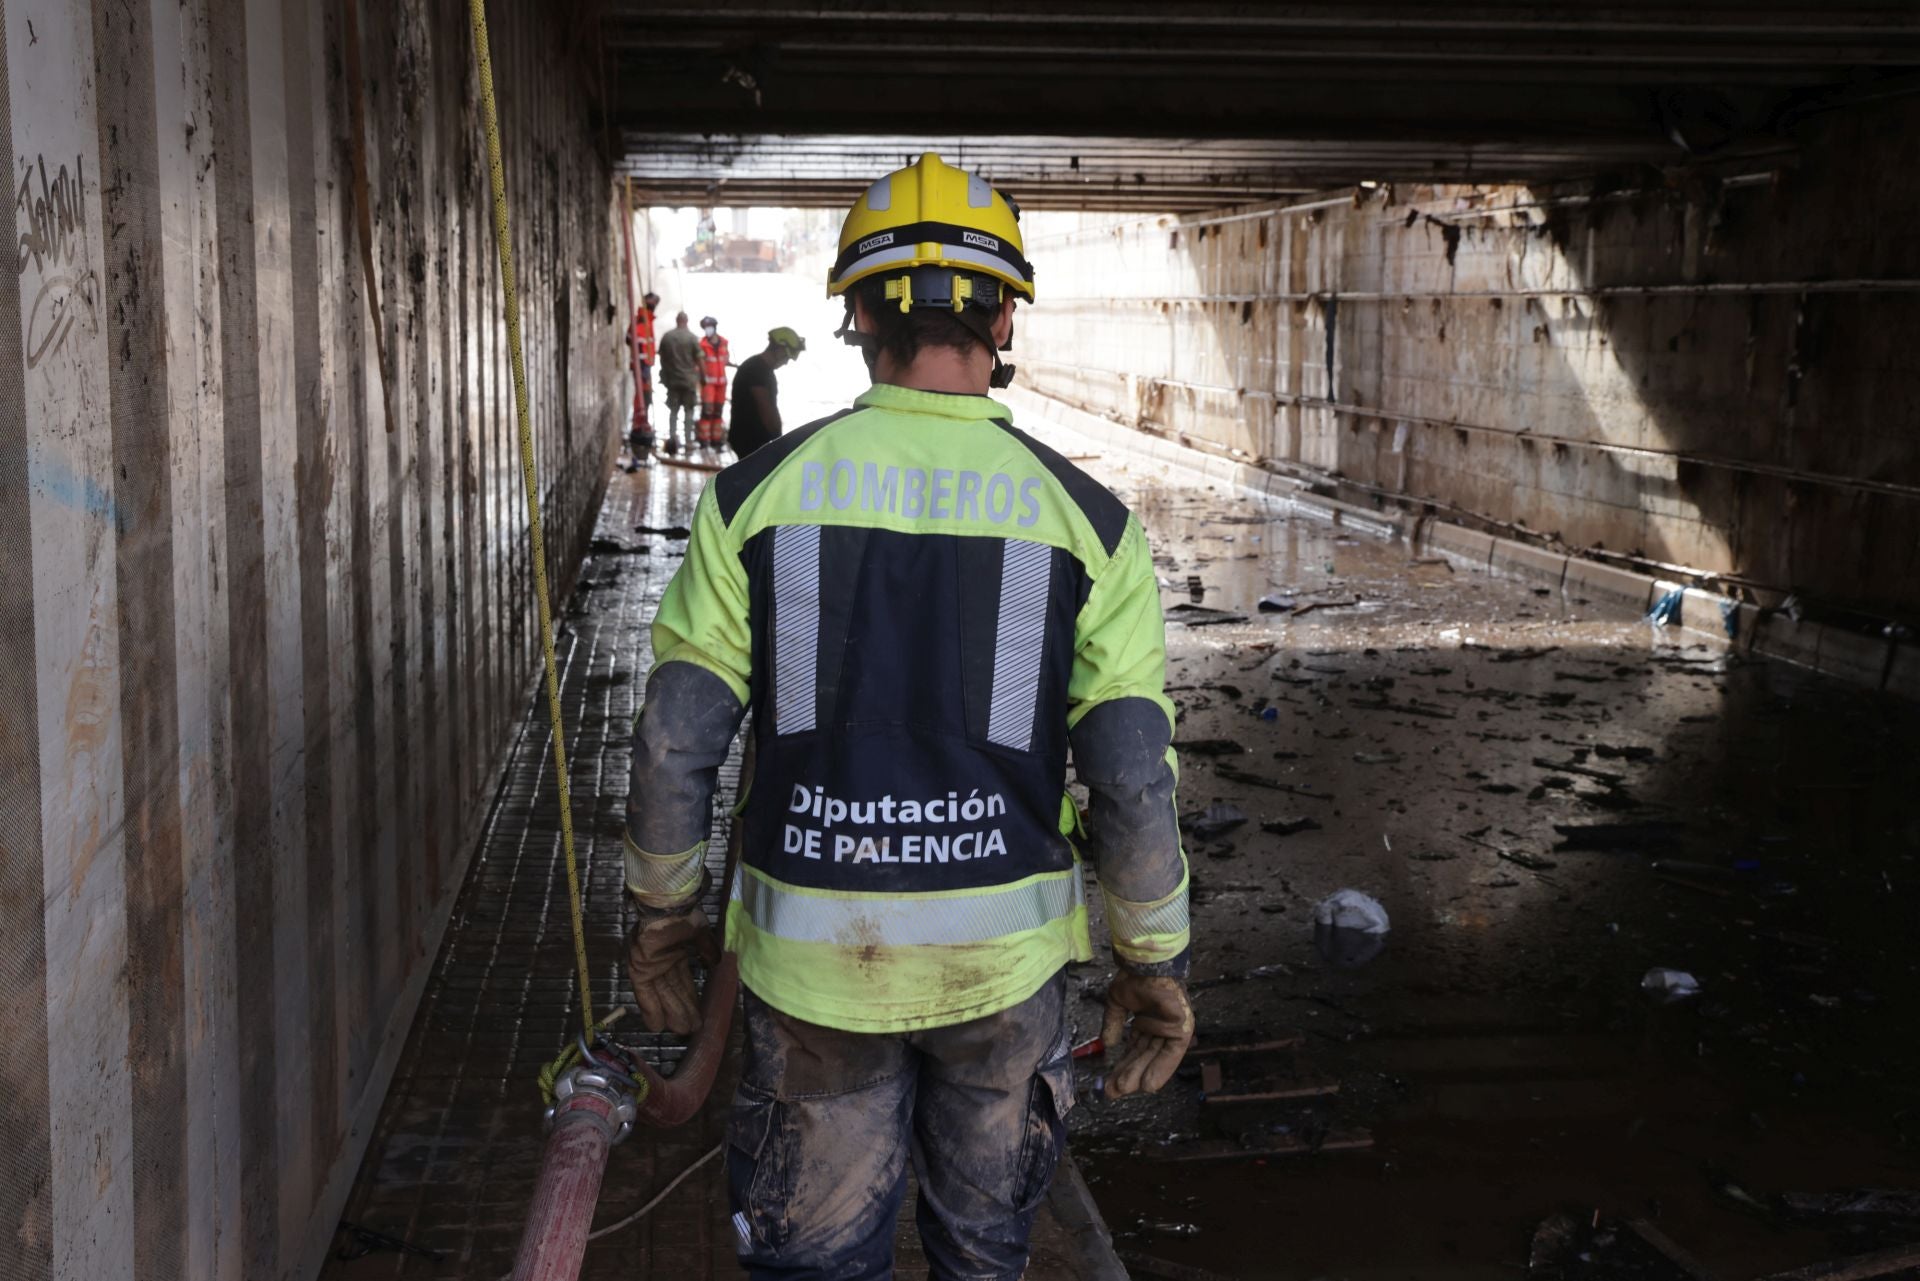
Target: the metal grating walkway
pixel 452 1162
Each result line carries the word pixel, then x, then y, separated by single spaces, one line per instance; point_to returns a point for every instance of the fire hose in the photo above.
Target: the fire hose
pixel 599 1091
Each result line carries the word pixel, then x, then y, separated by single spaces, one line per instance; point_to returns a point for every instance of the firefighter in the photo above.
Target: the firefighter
pixel 924 609
pixel 714 360
pixel 644 350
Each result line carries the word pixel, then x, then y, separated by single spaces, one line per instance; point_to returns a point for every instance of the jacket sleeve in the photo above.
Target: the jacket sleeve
pixel 1120 725
pixel 696 696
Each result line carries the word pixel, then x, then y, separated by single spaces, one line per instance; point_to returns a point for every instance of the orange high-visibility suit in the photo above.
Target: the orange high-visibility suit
pixel 711 430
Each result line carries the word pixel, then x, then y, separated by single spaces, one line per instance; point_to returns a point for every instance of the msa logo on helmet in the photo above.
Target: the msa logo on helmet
pixel 985 242
pixel 872 243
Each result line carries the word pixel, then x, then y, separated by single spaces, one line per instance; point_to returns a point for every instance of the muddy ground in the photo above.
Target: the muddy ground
pixel 1441 745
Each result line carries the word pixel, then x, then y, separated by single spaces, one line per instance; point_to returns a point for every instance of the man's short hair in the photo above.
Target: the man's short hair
pixel 904 335
pixel 680 318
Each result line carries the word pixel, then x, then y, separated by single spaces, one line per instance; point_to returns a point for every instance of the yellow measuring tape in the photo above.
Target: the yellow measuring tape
pixel 504 239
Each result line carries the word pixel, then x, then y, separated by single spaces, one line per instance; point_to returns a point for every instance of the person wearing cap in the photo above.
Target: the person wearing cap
pixel 680 371
pixel 756 392
pixel 925 611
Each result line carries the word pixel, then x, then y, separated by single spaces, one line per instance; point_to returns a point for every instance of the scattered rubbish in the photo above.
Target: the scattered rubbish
pixel 1610 836
pixel 1217 819
pixel 604 546
pixel 1269 713
pixel 1195 588
pixel 1352 910
pixel 1532 862
pixel 1210 747
pixel 1666 610
pixel 669 531
pixel 1203 615
pixel 1730 618
pixel 1377 758
pixel 1790 607
pixel 1167 1228
pixel 1310 606
pixel 1278 604
pixel 1672 985
pixel 1289 826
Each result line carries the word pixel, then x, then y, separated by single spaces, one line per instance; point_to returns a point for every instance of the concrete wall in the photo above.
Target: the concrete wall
pixel 259 644
pixel 1690 373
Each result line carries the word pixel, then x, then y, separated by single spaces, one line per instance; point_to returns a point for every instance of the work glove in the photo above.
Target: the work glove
pixel 1162 1021
pixel 659 954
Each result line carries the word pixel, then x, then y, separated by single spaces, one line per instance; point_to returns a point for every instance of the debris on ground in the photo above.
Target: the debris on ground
pixel 1352 910
pixel 664 531
pixel 1591 1247
pixel 1290 825
pixel 1300 611
pixel 604 546
pixel 1260 780
pixel 1278 604
pixel 1217 819
pixel 1209 747
pixel 1671 985
pixel 1615 836
pixel 1667 609
pixel 1202 615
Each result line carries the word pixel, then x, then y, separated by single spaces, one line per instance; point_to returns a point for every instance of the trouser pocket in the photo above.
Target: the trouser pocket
pixel 1050 1096
pixel 760 1169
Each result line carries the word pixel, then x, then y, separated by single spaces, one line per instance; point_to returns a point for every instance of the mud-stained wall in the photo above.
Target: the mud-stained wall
pixel 1712 372
pixel 261 635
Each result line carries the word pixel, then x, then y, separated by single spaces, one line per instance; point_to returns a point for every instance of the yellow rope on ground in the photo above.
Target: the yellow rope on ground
pixel 502 236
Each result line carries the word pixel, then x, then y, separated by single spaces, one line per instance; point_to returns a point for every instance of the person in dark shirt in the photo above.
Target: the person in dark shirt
pixel 756 405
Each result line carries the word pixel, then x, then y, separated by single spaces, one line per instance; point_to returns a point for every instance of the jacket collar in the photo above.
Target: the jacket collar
pixel 935 403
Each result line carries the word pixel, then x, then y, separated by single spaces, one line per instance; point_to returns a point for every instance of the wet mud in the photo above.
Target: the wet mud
pixel 1549 798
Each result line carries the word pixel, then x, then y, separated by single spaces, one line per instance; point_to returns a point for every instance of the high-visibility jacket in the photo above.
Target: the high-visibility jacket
pixel 713 364
pixel 917 601
pixel 643 334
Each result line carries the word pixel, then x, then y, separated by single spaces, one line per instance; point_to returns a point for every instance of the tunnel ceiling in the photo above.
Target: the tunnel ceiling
pixel 1177 105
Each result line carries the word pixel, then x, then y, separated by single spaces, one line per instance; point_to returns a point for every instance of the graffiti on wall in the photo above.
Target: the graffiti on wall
pixel 51 214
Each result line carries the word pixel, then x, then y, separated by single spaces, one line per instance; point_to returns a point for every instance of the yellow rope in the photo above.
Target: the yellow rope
pixel 502 236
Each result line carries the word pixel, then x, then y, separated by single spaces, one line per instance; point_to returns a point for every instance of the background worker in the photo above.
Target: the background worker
pixel 756 392
pixel 641 436
pixel 680 371
pixel 924 608
pixel 714 360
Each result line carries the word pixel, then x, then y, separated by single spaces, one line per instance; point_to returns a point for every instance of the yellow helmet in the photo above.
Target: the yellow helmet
pixel 932 215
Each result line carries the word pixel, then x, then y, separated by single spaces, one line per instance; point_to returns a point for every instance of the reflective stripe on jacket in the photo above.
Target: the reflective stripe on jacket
pixel 916 600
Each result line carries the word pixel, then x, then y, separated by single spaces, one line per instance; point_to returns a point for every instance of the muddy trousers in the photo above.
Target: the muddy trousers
pixel 824 1123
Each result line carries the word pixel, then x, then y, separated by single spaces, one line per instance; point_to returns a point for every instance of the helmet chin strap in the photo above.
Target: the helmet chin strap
pixel 971 317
